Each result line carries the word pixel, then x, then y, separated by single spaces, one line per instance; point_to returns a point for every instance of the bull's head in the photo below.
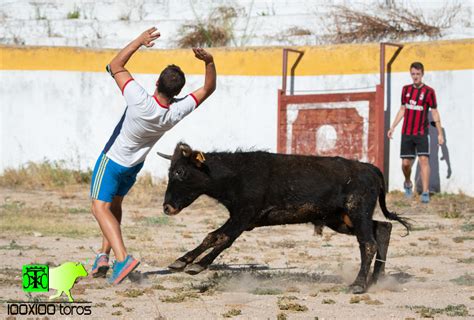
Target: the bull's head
pixel 187 178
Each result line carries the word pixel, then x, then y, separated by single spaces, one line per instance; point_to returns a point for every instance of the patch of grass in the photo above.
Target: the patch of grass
pixel 462 239
pixel 374 302
pixel 467 260
pixel 131 293
pixel 450 214
pixel 282 316
pixel 159 220
pixel 458 310
pixel 180 297
pixel 46 174
pixel 158 287
pixel 232 313
pixel 73 14
pixel 464 280
pixel 400 204
pixel 359 298
pixel 78 210
pixel 421 228
pixel 287 303
pixel 468 227
pixel 328 301
pixel 117 305
pixel 49 220
pixel 267 291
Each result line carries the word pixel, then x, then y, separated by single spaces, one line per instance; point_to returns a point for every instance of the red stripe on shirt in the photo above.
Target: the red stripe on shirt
pixel 126 82
pixel 409 122
pixel 195 99
pixel 161 105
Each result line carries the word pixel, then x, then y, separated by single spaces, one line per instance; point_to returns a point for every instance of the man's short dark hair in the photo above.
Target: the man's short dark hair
pixel 171 81
pixel 418 66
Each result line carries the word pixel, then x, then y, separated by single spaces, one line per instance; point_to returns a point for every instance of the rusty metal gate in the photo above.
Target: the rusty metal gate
pixel 350 125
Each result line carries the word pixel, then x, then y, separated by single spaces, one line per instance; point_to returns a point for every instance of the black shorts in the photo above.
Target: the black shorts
pixel 412 146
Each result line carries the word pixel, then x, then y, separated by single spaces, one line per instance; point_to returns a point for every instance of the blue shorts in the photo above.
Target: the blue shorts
pixel 111 179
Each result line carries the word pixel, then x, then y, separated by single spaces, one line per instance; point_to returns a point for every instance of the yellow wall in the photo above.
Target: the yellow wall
pixel 264 61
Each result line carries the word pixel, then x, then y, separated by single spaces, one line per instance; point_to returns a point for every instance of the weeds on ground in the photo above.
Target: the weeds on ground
pixel 467 260
pixel 468 227
pixel 232 313
pixel 464 280
pixel 288 303
pixel 458 310
pixel 267 291
pixel 49 219
pixel 180 297
pixel 46 174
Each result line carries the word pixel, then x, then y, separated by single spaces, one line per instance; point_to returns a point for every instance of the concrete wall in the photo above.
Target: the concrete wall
pixel 112 23
pixel 57 104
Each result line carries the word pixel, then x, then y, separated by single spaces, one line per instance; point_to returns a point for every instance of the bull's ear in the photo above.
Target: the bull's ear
pixel 186 150
pixel 198 158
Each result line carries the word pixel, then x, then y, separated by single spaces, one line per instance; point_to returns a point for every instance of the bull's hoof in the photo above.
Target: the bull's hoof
pixel 194 268
pixel 358 288
pixel 177 266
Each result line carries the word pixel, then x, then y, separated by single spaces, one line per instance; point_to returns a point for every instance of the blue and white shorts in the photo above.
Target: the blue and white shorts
pixel 111 179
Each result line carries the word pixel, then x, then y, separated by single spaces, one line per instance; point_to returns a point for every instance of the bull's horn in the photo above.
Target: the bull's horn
pixel 168 157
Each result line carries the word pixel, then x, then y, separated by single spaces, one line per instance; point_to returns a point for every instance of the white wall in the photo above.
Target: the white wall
pixel 113 23
pixel 69 116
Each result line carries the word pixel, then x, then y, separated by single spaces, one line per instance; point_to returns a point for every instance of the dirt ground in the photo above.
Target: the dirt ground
pixel 283 272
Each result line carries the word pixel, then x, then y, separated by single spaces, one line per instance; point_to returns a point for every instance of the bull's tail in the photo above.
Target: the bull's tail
pixel 390 215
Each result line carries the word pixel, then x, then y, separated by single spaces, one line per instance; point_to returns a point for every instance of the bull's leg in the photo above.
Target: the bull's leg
pixel 382 232
pixel 208 242
pixel 368 248
pixel 223 242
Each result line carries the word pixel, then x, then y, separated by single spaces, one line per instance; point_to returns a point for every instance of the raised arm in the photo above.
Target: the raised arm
pixel 210 78
pixel 116 67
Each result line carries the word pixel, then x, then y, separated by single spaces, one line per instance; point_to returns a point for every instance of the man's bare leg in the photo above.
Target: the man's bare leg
pixel 110 227
pixel 116 208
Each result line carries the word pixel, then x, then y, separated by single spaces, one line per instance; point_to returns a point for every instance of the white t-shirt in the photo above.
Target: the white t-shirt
pixel 144 121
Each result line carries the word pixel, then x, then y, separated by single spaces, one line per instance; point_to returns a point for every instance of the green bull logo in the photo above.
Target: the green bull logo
pixel 39 278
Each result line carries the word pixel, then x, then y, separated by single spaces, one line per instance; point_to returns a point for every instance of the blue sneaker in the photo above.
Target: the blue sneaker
pixel 408 189
pixel 101 266
pixel 120 270
pixel 425 197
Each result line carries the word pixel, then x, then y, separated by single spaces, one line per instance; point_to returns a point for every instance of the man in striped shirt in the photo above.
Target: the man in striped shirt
pixel 417 100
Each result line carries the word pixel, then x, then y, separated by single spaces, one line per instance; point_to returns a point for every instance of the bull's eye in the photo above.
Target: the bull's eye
pixel 179 173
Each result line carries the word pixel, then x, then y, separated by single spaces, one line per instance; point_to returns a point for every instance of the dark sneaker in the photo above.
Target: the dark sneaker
pixel 120 270
pixel 101 266
pixel 425 197
pixel 408 189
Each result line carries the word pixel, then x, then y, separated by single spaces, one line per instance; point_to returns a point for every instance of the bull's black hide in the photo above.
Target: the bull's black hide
pixel 264 189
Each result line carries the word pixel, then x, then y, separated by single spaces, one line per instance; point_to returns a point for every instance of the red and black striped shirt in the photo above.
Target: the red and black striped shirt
pixel 417 102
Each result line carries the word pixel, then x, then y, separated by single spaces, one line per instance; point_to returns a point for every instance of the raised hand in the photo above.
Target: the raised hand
pixel 203 55
pixel 146 38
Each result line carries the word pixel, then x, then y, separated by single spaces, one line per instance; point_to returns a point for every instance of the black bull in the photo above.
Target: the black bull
pixel 263 189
